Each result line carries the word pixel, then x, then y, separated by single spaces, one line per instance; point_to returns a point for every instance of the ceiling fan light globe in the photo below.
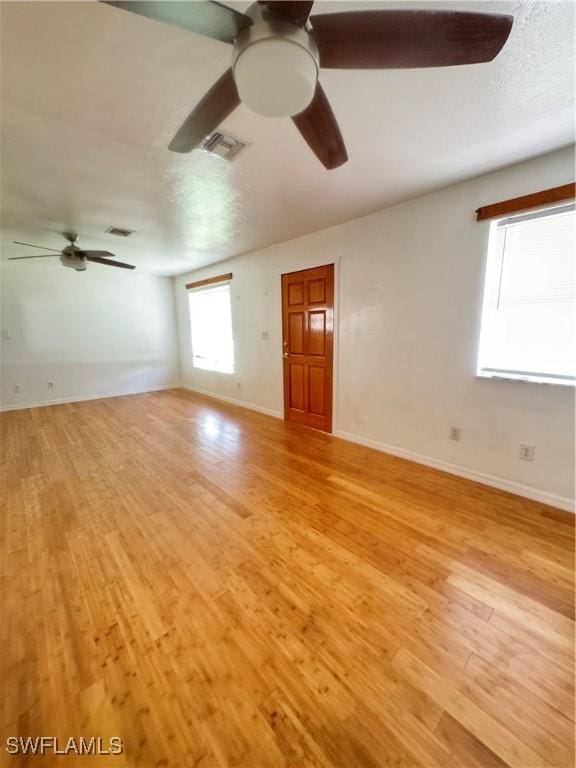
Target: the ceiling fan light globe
pixel 276 77
pixel 68 259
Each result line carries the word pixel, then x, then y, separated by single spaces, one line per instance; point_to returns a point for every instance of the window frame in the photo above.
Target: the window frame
pixel 208 286
pixel 502 374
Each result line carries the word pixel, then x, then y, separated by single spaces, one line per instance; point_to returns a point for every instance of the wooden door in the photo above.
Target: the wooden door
pixel 308 341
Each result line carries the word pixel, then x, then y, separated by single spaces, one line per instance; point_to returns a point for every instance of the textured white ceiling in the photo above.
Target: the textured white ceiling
pixel 91 97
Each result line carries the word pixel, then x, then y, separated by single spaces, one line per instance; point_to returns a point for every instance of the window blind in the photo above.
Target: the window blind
pixel 528 320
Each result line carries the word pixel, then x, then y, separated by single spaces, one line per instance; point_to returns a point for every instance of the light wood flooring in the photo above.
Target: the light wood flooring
pixel 219 588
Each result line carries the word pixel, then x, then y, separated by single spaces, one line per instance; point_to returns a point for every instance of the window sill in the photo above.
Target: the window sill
pixel 213 370
pixel 527 379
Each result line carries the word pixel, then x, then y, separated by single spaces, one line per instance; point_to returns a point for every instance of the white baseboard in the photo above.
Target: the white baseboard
pixel 470 474
pixel 82 398
pixel 233 401
pixel 502 484
pixel 519 489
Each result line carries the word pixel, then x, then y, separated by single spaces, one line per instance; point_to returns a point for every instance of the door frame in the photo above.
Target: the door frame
pixel 314 264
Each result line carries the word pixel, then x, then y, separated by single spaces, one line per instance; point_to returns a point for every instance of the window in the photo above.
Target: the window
pixel 528 319
pixel 211 328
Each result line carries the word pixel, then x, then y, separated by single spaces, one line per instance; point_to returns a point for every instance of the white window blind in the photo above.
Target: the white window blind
pixel 528 318
pixel 211 328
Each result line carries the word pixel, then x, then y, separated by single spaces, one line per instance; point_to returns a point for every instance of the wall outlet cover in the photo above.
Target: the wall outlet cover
pixel 527 452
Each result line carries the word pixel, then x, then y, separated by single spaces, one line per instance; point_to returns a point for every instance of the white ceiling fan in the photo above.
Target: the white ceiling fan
pixel 73 257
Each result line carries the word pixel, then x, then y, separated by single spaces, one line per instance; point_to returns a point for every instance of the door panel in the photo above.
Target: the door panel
pixel 296 333
pixel 296 294
pixel 297 387
pixel 308 338
pixel 317 333
pixel 316 401
pixel 316 291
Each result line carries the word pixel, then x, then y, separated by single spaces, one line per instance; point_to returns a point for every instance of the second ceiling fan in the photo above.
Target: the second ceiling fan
pixel 72 256
pixel 279 49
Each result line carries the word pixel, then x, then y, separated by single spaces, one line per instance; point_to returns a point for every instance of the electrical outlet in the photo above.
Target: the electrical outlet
pixel 16 389
pixel 265 335
pixel 527 452
pixel 6 334
pixel 51 384
pixel 454 433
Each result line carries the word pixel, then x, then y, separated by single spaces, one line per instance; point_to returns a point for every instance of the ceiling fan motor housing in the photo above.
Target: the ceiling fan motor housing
pixel 69 258
pixel 275 67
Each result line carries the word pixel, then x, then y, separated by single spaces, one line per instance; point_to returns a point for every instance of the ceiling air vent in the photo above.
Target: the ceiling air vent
pixel 120 232
pixel 224 146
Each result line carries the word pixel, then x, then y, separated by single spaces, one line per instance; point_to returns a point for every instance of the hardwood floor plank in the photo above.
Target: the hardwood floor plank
pixel 466 748
pixel 220 588
pixel 488 731
pixel 522 580
pixel 525 713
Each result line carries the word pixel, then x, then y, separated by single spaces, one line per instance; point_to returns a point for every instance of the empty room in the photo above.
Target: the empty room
pixel 287 383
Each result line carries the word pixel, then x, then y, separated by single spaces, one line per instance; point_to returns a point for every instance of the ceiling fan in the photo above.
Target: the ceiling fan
pixel 73 257
pixel 279 48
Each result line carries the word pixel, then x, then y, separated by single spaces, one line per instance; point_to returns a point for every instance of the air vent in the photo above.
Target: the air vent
pixel 224 146
pixel 120 232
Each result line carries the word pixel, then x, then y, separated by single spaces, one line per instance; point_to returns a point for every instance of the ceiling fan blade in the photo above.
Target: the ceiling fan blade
pixel 214 107
pixel 108 262
pixel 208 18
pixel 396 39
pixel 320 130
pixel 37 256
pixel 294 11
pixel 99 254
pixel 42 248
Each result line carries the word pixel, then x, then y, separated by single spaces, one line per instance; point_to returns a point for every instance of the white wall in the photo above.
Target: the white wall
pixel 410 284
pixel 100 332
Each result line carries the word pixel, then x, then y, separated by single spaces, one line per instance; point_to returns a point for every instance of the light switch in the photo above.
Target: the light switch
pixel 6 334
pixel 265 335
